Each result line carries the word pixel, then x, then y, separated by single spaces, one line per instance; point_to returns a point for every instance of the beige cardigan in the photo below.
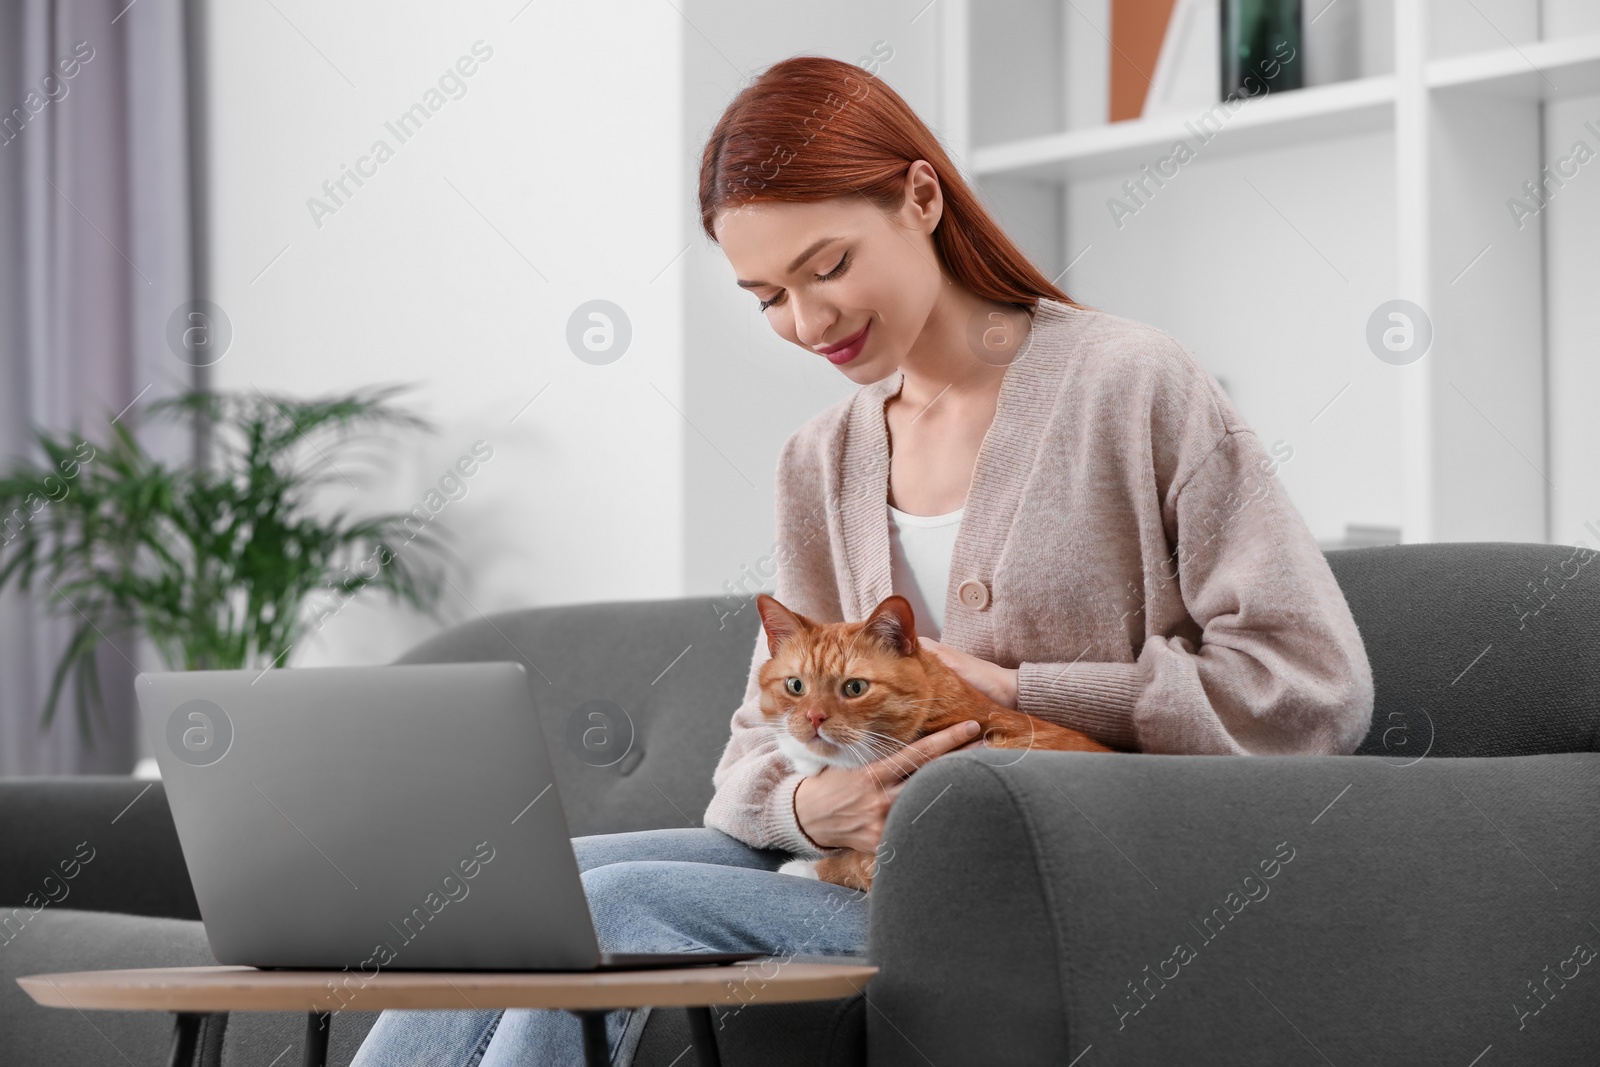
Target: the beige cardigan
pixel 1124 544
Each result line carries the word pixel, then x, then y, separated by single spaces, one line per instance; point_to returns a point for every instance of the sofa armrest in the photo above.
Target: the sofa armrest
pixel 90 843
pixel 1242 910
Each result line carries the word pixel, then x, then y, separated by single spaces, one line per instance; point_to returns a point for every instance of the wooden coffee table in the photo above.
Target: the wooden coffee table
pixel 192 993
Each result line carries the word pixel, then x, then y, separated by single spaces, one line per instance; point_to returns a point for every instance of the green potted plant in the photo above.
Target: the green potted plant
pixel 213 564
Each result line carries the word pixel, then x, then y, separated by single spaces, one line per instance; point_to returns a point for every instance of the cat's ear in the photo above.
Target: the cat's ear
pixel 891 622
pixel 779 622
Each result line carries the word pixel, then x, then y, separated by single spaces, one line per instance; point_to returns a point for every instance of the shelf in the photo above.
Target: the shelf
pixel 1542 70
pixel 1299 116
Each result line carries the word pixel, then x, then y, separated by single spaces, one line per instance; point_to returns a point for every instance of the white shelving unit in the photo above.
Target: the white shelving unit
pixel 1544 70
pixel 1266 254
pixel 1361 106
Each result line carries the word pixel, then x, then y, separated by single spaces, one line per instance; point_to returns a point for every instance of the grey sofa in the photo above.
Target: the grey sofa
pixel 1429 900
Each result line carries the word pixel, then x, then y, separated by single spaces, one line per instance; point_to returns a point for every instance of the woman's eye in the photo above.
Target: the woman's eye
pixel 795 686
pixel 854 687
pixel 837 271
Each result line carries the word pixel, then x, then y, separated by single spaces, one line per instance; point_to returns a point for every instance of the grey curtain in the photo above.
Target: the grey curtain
pixel 94 256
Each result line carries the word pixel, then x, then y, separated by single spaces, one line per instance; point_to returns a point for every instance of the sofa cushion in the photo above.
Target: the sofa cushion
pixel 59 939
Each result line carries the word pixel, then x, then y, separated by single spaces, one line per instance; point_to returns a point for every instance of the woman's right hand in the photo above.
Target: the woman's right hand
pixel 846 807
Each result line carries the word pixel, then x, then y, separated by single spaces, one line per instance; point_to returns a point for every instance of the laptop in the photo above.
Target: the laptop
pixel 400 817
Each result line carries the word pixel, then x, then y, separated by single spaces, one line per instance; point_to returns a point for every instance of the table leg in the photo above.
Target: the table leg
pixel 596 1053
pixel 185 1038
pixel 705 1037
pixel 316 1050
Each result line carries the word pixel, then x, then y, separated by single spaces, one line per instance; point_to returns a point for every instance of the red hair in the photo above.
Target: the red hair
pixel 811 128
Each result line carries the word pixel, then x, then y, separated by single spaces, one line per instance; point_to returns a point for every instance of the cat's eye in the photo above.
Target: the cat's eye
pixel 794 685
pixel 854 687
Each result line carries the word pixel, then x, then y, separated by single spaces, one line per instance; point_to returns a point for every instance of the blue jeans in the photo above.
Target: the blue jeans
pixel 689 890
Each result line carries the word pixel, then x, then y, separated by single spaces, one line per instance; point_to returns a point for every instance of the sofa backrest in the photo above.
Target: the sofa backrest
pixel 636 698
pixel 91 843
pixel 1477 648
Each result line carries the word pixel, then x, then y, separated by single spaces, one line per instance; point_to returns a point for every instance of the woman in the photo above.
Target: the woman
pixel 1084 525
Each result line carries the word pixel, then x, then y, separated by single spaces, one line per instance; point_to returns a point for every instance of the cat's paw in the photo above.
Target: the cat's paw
pixel 800 868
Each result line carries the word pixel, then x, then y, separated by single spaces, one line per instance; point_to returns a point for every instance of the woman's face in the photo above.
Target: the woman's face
pixel 828 270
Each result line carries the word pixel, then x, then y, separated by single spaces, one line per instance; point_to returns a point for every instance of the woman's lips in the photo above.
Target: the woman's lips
pixel 849 348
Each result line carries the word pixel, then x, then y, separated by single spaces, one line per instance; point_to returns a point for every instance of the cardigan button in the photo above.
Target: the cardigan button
pixel 973 594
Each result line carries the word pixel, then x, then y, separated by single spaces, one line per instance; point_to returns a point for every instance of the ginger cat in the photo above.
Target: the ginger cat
pixel 845 694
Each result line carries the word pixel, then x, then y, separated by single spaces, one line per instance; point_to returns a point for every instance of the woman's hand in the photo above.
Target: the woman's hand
pixel 997 683
pixel 842 807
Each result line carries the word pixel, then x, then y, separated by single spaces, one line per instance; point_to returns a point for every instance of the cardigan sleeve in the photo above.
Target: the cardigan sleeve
pixel 755 783
pixel 1279 667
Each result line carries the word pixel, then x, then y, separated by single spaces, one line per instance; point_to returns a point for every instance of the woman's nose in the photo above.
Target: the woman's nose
pixel 810 325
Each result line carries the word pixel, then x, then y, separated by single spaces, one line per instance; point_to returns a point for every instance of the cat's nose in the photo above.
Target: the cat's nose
pixel 817 716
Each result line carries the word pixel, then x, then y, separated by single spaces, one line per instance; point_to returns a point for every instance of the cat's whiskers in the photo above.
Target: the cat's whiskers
pixel 854 745
pixel 871 754
pixel 886 747
pixel 779 731
pixel 859 753
pixel 866 744
pixel 882 746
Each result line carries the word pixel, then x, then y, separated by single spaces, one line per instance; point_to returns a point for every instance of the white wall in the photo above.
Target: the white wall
pixel 1266 266
pixel 1458 27
pixel 1570 224
pixel 567 141
pixel 579 140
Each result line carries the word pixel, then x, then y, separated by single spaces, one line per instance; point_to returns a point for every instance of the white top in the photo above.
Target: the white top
pixel 919 555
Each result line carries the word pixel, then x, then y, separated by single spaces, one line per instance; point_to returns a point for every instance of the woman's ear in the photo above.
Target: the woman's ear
pixel 892 623
pixel 779 622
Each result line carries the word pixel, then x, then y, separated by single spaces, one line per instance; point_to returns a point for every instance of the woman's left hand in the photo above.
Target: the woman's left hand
pixel 997 683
